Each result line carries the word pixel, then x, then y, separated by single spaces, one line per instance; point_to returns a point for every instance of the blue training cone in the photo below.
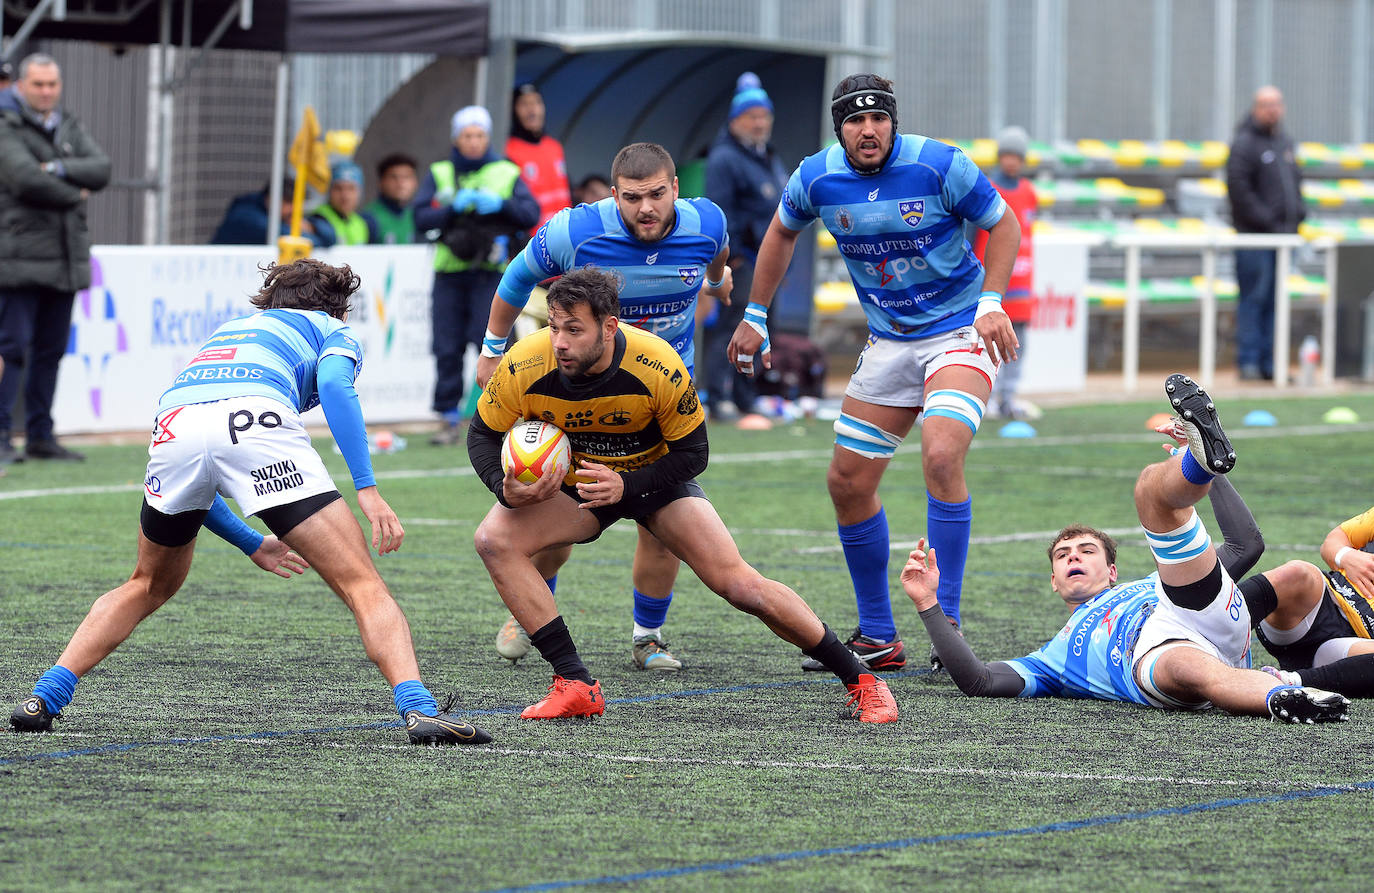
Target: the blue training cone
pixel 1016 429
pixel 1259 418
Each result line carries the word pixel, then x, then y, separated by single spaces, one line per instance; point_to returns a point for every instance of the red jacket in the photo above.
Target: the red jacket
pixel 1021 200
pixel 544 171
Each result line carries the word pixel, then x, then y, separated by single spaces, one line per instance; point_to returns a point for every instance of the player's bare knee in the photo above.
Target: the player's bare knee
pixel 490 544
pixel 1183 673
pixel 845 486
pixel 745 591
pixel 942 463
pixel 1297 577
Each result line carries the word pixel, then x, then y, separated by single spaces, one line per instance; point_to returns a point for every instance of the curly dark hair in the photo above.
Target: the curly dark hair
pixel 591 286
pixel 307 284
pixel 1073 531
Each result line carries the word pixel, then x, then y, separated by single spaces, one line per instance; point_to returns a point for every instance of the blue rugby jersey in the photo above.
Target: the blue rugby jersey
pixel 272 353
pixel 659 281
pixel 901 231
pixel 1091 656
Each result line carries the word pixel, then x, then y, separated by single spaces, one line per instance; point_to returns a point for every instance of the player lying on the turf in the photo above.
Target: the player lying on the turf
pixel 231 424
pixel 1321 624
pixel 640 442
pixel 1179 638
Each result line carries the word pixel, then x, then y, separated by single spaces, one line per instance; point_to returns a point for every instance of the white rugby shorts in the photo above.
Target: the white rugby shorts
pixel 1222 630
pixel 894 373
pixel 254 450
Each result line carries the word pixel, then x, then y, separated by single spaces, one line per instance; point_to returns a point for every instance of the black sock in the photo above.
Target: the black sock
pixel 556 646
pixel 1352 677
pixel 1198 595
pixel 837 658
pixel 1260 597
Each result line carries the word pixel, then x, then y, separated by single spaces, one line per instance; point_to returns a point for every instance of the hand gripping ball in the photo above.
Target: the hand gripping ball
pixel 532 449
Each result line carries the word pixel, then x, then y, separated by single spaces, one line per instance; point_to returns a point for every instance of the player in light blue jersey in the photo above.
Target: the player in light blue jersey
pixel 663 251
pixel 230 425
pixel 897 205
pixel 1177 639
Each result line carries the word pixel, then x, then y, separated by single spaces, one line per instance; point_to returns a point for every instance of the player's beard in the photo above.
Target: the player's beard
pixel 864 167
pixel 580 363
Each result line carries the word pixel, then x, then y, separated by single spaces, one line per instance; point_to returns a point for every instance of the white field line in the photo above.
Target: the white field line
pixel 807 766
pixel 912 447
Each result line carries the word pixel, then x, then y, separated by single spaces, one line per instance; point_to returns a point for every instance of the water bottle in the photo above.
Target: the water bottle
pixel 1309 354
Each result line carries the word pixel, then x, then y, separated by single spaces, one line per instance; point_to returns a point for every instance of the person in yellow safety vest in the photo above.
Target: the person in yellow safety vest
pixel 338 221
pixel 469 205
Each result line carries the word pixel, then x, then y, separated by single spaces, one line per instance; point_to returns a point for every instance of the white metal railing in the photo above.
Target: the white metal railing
pixel 1134 244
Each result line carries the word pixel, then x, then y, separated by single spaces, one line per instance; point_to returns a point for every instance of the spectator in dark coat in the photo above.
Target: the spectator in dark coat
pixel 745 177
pixel 49 166
pixel 1263 182
pixel 245 220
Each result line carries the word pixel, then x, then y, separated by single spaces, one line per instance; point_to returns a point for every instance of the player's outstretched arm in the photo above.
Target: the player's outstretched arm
pixel 991 322
pixel 1344 552
pixel 267 552
pixel 775 254
pixel 920 580
pixel 387 532
pixel 276 557
pixel 719 272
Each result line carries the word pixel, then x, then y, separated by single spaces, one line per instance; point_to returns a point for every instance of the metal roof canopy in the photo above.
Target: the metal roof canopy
pixel 441 27
pixel 604 91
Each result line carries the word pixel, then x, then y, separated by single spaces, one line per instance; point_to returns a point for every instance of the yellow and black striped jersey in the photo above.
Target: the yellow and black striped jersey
pixel 1360 529
pixel 622 418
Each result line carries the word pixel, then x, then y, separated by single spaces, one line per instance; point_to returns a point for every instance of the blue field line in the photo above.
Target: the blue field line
pixel 127 746
pixel 908 842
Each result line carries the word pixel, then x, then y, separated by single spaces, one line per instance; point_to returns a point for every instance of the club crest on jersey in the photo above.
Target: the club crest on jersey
pixel 688 275
pixel 651 259
pixel 912 211
pixel 844 220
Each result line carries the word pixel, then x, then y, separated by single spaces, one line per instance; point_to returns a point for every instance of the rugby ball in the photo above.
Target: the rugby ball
pixel 532 449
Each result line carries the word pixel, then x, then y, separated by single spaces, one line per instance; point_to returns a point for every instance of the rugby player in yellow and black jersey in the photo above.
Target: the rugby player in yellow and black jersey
pixel 638 434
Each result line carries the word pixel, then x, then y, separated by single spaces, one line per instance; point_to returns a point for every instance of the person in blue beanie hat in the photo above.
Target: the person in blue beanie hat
pixel 338 221
pixel 745 177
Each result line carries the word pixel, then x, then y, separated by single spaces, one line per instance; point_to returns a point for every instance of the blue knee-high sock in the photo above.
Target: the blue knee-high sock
pixel 55 687
pixel 552 583
pixel 947 526
pixel 651 612
pixel 412 695
pixel 866 549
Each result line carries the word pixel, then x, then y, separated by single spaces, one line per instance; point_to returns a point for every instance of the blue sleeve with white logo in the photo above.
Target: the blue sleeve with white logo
pixel 970 194
pixel 223 523
pixel 795 210
pixel 712 222
pixel 345 416
pixel 549 253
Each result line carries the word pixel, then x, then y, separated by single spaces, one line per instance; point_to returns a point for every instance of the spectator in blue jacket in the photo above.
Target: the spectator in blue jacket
pixel 745 177
pixel 245 220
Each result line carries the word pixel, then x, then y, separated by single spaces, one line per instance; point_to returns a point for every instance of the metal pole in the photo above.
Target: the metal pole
pixel 274 195
pixel 29 24
pixel 1282 316
pixel 1207 350
pixel 1359 71
pixel 997 66
pixel 1130 335
pixel 1224 69
pixel 1160 69
pixel 164 114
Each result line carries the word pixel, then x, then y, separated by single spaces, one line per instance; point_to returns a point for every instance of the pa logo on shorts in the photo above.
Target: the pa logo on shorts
pixel 912 211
